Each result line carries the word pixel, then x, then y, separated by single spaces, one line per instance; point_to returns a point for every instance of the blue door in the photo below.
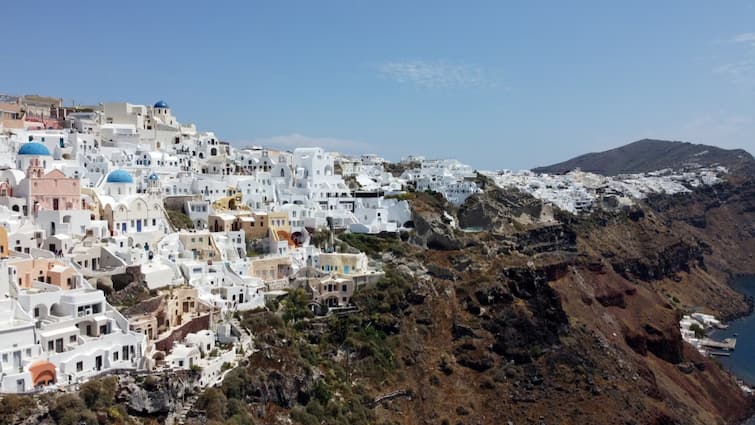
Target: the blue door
pixel 345 269
pixel 138 225
pixel 123 227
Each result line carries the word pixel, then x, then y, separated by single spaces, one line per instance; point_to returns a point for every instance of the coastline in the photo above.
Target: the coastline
pixel 728 319
pixel 749 299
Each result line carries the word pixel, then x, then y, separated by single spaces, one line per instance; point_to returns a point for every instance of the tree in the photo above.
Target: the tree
pixel 98 394
pixel 698 330
pixel 214 403
pixel 69 409
pixel 295 306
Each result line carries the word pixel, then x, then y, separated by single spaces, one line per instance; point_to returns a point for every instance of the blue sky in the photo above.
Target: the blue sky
pixel 496 84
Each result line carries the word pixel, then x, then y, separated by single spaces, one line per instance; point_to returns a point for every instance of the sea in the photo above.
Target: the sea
pixel 742 360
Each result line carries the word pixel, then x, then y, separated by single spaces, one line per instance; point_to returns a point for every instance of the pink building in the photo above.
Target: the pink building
pixel 51 191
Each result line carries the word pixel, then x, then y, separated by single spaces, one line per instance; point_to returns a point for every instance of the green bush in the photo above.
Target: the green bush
pixel 14 406
pixel 296 306
pixel 69 409
pixel 151 383
pixel 303 417
pixel 375 245
pixel 99 393
pixel 214 403
pixel 179 220
pixel 321 392
pixel 698 330
pixel 236 383
pixel 237 413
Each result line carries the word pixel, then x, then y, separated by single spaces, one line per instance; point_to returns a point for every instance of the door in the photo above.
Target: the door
pixel 98 363
pixel 123 227
pixel 138 225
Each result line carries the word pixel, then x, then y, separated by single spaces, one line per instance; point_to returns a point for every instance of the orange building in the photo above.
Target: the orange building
pixel 3 243
pixel 52 272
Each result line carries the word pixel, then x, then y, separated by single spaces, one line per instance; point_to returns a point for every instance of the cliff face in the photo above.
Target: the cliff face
pixel 574 321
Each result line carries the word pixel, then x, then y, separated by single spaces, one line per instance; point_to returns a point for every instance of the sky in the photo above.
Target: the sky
pixel 495 84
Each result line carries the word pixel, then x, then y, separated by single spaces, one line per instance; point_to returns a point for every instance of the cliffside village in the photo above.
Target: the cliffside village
pixel 93 198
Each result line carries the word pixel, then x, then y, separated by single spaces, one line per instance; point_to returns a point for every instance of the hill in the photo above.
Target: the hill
pixel 651 155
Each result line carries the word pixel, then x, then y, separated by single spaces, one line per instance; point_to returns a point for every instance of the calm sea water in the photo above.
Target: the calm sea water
pixel 742 360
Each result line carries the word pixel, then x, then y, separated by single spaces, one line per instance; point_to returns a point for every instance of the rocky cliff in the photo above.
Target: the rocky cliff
pixel 501 311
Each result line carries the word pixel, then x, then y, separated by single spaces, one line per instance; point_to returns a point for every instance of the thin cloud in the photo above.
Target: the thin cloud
pixel 742 72
pixel 436 74
pixel 725 129
pixel 745 37
pixel 296 140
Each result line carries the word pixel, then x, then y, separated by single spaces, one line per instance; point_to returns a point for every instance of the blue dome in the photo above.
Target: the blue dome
pixel 161 104
pixel 153 177
pixel 120 176
pixel 33 148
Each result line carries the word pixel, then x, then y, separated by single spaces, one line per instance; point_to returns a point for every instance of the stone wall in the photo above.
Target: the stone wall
pixel 192 326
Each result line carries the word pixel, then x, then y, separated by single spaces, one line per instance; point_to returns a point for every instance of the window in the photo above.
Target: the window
pixel 343 288
pixel 5 357
pixel 115 356
pixel 50 345
pixel 79 366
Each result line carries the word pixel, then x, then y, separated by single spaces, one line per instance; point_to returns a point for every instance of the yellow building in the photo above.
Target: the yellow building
pixel 234 201
pixel 343 264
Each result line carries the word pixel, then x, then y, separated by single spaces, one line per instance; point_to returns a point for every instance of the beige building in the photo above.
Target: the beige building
pixel 200 244
pixel 255 226
pixel 333 291
pixel 223 222
pixel 169 310
pixel 324 288
pixel 180 305
pixel 271 268
pixel 259 227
